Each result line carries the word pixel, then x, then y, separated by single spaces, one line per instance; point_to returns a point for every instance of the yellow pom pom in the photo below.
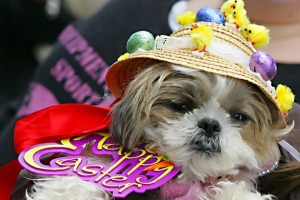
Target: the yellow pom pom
pixel 231 6
pixel 285 98
pixel 123 57
pixel 186 18
pixel 239 18
pixel 202 36
pixel 258 35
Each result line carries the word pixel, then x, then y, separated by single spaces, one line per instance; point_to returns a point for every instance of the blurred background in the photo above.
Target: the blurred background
pixel 27 31
pixel 28 28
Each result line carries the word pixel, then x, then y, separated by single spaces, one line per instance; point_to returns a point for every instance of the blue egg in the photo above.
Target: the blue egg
pixel 210 15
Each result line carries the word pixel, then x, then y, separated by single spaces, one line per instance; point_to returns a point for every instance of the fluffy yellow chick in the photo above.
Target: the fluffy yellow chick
pixel 202 36
pixel 186 18
pixel 230 6
pixel 239 18
pixel 258 35
pixel 285 98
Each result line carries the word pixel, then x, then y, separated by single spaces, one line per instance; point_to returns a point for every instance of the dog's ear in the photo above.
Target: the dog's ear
pixel 277 124
pixel 131 115
pixel 127 126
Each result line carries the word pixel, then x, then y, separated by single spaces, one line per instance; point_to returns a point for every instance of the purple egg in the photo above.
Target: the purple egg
pixel 264 64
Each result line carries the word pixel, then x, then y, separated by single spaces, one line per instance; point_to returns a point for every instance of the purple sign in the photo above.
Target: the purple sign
pixel 112 168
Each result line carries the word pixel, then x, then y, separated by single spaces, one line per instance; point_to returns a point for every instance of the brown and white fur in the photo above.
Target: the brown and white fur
pixel 208 125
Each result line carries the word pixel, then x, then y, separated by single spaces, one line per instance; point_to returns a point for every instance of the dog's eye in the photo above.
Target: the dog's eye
pixel 239 117
pixel 181 107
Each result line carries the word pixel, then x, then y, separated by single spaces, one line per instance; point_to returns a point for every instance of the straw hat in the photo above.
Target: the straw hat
pixel 281 17
pixel 228 55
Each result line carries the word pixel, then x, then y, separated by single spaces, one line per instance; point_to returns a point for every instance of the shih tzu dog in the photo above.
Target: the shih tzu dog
pixel 213 127
pixel 218 130
pixel 203 109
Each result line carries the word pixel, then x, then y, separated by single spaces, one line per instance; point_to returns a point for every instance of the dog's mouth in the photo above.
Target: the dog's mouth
pixel 208 144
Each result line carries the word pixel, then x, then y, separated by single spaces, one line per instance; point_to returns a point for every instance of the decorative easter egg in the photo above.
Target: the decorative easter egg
pixel 210 15
pixel 140 39
pixel 264 64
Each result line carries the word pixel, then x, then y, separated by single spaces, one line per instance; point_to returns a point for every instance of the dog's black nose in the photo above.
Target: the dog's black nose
pixel 210 126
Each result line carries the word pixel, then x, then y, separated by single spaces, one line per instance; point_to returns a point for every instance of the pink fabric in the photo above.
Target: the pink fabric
pixel 188 191
pixel 179 191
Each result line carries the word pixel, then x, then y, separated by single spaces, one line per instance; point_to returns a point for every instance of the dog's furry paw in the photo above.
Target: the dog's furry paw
pixel 65 188
pixel 238 191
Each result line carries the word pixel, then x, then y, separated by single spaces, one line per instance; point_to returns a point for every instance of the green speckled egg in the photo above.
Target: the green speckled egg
pixel 140 39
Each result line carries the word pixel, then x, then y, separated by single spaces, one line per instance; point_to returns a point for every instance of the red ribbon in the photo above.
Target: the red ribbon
pixel 49 125
pixel 8 176
pixel 59 122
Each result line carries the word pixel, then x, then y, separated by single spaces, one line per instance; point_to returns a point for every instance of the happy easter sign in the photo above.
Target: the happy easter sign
pixel 126 173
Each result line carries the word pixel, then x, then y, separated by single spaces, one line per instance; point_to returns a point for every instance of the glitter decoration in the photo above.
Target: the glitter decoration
pixel 140 40
pixel 264 64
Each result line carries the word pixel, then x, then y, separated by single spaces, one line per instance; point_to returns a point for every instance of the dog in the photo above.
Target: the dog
pixel 220 131
pixel 212 112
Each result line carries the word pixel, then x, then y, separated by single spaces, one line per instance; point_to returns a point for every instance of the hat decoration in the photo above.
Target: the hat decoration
pixel 226 33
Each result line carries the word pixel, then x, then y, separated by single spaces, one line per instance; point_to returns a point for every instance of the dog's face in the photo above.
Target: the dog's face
pixel 209 125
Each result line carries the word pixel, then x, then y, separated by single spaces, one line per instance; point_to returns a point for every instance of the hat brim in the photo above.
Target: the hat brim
pixel 122 72
pixel 227 55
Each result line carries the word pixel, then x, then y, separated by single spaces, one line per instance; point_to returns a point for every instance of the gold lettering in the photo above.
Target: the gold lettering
pixel 65 144
pixel 142 161
pixel 101 142
pixel 120 179
pixel 91 172
pixel 114 178
pixel 114 147
pixel 127 185
pixel 126 156
pixel 75 162
pixel 29 156
pixel 166 169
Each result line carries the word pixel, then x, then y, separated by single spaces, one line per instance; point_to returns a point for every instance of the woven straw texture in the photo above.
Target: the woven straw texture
pixel 122 72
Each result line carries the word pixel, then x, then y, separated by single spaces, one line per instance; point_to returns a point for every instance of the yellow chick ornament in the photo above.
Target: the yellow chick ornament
pixel 239 18
pixel 230 6
pixel 202 36
pixel 186 18
pixel 258 35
